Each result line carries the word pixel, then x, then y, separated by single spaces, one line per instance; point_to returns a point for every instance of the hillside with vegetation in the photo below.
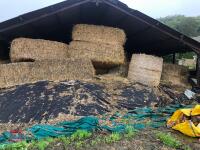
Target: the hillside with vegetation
pixel 189 26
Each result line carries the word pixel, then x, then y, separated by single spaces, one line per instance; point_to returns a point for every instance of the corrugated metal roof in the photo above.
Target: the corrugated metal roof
pixel 144 34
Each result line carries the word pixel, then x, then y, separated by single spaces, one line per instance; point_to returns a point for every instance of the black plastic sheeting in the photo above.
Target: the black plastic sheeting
pixel 144 34
pixel 132 97
pixel 45 100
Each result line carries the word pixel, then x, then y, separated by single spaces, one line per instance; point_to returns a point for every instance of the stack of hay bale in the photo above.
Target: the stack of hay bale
pixel 35 59
pixel 175 74
pixel 145 69
pixel 103 45
pixel 100 45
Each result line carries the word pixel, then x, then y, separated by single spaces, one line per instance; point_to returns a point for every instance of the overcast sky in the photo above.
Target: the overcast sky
pixel 153 8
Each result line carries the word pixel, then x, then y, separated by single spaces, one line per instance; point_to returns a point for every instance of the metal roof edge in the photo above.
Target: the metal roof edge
pixel 59 7
pixel 195 45
pixel 52 9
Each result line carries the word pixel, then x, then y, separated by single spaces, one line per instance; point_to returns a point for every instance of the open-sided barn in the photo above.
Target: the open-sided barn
pixel 144 34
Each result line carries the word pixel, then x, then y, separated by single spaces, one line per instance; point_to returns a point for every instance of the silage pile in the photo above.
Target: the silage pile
pixel 45 101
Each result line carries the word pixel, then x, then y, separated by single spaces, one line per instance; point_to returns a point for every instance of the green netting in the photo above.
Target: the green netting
pixel 65 128
pixel 139 118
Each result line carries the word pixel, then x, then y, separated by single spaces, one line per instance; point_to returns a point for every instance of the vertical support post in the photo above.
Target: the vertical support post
pixel 198 70
pixel 174 58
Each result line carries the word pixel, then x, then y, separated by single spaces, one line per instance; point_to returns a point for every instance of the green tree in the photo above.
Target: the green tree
pixel 187 25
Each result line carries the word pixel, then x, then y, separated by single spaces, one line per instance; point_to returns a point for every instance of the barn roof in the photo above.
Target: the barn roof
pixel 197 38
pixel 144 34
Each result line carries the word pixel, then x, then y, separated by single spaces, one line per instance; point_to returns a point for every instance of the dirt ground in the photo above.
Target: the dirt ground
pixel 144 140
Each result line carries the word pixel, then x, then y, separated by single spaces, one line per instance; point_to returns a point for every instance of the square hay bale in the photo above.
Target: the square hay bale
pixel 25 49
pixel 145 69
pixel 175 74
pixel 175 70
pixel 102 34
pixel 102 55
pixel 53 70
pixel 174 80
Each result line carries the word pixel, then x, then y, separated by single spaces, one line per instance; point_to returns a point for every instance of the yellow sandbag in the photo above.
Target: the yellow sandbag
pixel 181 121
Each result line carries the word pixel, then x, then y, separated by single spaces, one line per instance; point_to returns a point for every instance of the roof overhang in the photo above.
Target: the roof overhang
pixel 144 34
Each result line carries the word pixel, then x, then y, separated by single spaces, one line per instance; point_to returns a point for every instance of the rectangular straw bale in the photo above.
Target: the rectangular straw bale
pixel 102 34
pixel 146 77
pixel 23 49
pixel 175 70
pixel 53 70
pixel 102 55
pixel 174 80
pixel 145 69
pixel 175 74
pixel 148 62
